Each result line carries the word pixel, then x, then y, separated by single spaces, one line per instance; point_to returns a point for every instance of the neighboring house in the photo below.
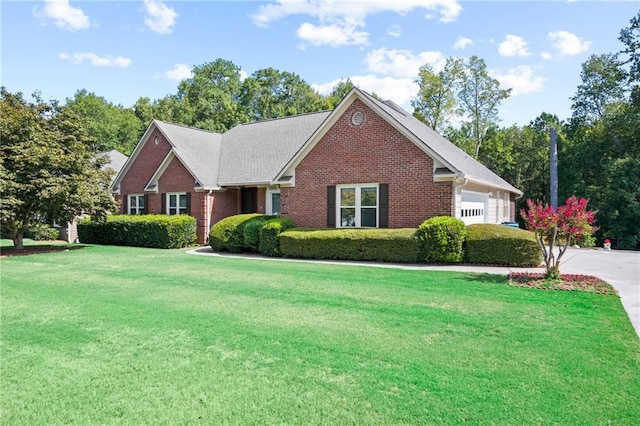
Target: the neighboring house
pixel 367 164
pixel 69 232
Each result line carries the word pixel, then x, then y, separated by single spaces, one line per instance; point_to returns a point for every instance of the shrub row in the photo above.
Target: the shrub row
pixel 437 240
pixel 41 232
pixel 155 231
pixel 501 245
pixel 383 245
pixel 249 232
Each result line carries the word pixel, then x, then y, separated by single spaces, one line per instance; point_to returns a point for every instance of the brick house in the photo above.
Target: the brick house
pixel 367 163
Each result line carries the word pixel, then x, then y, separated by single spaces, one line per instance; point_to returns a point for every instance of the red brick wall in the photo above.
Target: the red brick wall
pixel 144 166
pixel 374 152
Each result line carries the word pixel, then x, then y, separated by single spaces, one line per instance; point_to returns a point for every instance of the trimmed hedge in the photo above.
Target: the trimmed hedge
pixel 442 239
pixel 383 245
pixel 228 234
pixel 501 245
pixel 154 231
pixel 269 239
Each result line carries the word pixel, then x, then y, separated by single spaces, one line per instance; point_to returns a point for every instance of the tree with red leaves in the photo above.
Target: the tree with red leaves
pixel 558 228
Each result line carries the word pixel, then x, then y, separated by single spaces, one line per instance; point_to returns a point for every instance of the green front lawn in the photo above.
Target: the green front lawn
pixel 107 335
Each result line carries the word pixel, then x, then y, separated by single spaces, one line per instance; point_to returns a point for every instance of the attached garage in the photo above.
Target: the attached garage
pixel 473 208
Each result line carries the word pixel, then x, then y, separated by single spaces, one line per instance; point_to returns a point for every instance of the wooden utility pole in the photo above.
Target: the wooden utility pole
pixel 553 166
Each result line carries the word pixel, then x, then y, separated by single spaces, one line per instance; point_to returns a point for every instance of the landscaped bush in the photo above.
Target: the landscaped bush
pixel 269 241
pixel 384 245
pixel 41 232
pixel 228 234
pixel 501 245
pixel 155 231
pixel 442 238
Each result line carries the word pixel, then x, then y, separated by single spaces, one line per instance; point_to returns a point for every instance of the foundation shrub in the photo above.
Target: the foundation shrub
pixel 501 245
pixel 382 245
pixel 269 239
pixel 154 231
pixel 228 234
pixel 442 239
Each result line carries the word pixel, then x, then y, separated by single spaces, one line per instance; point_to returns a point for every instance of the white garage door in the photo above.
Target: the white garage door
pixel 473 207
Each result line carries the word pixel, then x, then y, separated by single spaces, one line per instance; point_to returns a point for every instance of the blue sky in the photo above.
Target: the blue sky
pixel 123 50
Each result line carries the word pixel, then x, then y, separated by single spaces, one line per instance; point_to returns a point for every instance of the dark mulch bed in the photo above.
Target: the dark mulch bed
pixel 567 282
pixel 37 249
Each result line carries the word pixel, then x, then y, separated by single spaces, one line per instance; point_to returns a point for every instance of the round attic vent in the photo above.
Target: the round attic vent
pixel 357 118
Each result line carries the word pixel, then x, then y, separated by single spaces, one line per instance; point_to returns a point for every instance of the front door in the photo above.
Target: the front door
pixel 249 200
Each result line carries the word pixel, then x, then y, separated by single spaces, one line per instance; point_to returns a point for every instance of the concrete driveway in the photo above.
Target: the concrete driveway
pixel 619 268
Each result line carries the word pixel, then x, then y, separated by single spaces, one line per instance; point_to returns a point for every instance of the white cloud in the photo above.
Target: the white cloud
pixel 400 90
pixel 343 20
pixel 546 55
pixel 567 43
pixel 513 46
pixel 521 80
pixel 402 63
pixel 95 60
pixel 179 72
pixel 462 42
pixel 395 31
pixel 159 17
pixel 63 15
pixel 332 35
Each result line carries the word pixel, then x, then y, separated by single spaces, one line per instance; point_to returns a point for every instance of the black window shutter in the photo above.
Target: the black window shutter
pixel 163 203
pixel 331 206
pixel 383 221
pixel 188 203
pixel 125 204
pixel 146 204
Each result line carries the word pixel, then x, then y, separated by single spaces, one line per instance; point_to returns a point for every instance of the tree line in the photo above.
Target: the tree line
pixel 599 145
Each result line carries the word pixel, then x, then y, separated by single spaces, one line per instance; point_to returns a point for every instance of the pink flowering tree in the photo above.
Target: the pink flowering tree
pixel 556 231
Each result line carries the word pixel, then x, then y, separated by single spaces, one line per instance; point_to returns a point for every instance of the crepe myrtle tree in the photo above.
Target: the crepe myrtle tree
pixel 47 171
pixel 556 230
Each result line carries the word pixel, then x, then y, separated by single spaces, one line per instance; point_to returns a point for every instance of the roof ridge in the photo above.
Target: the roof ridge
pixel 184 126
pixel 283 118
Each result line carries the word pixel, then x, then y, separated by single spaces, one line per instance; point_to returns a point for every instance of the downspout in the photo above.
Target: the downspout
pixel 207 216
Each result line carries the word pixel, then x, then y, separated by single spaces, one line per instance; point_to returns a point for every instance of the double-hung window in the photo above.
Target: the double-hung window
pixel 357 205
pixel 136 204
pixel 177 203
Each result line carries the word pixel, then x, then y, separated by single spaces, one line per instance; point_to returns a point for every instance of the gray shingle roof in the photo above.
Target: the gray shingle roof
pixel 449 152
pixel 199 151
pixel 256 152
pixel 116 161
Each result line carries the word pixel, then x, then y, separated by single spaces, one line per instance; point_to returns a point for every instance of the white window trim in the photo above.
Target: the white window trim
pixel 358 207
pixel 269 201
pixel 135 210
pixel 177 208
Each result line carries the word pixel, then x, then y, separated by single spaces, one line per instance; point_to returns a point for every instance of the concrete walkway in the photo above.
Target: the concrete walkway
pixel 621 269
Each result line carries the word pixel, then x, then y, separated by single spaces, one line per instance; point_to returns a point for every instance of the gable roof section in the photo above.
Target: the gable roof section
pixel 254 153
pixel 462 162
pixel 198 150
pixel 115 161
pixel 436 146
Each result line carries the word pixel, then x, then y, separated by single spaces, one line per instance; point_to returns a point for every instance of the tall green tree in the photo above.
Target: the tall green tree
pixel 110 126
pixel 270 93
pixel 48 170
pixel 630 37
pixel 435 102
pixel 211 98
pixel 479 96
